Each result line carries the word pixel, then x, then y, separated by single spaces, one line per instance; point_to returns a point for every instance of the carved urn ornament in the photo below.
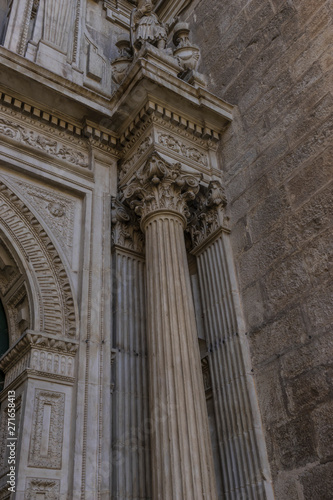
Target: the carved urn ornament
pixel 188 54
pixel 122 63
pixel 145 26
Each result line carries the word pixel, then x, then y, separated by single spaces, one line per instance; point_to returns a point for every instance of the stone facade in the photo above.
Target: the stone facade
pixel 273 61
pixel 164 255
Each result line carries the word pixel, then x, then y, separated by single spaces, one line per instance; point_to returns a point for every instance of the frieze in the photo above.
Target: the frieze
pixel 37 343
pixel 42 143
pixel 177 146
pixel 160 185
pixel 47 456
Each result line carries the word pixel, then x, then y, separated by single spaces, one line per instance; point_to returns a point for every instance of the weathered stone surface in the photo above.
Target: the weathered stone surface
pixel 318 483
pixel 279 150
pixel 323 423
pixel 294 445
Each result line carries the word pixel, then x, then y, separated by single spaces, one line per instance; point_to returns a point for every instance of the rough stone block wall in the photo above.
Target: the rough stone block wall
pixel 273 60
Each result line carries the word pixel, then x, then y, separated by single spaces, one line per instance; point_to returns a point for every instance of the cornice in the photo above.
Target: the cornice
pixel 36 340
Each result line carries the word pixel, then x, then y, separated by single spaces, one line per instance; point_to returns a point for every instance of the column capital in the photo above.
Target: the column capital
pixel 126 232
pixel 160 186
pixel 207 213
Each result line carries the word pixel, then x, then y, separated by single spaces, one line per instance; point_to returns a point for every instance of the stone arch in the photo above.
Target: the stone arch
pixel 52 307
pixel 14 291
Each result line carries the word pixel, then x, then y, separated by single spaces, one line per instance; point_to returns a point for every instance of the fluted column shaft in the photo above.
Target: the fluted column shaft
pixel 130 444
pixel 181 450
pixel 241 443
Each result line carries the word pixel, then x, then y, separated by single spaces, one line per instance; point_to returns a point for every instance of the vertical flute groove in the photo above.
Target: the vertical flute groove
pixel 181 449
pixel 131 462
pixel 235 429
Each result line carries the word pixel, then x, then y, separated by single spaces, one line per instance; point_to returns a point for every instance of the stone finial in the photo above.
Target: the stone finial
pixel 122 63
pixel 207 212
pixel 146 27
pixel 161 186
pixel 188 54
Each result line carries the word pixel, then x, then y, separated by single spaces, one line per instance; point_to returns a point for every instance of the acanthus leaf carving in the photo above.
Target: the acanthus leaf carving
pixel 207 212
pixel 126 231
pixel 159 185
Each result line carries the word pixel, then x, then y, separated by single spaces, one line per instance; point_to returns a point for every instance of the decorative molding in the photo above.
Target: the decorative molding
pixel 57 301
pixel 101 136
pixel 30 138
pixel 159 185
pixel 35 341
pixel 47 454
pixel 168 115
pixel 206 213
pixel 56 209
pixel 141 150
pixel 126 231
pixel 49 488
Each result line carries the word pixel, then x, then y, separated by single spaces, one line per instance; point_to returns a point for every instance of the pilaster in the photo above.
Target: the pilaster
pixel 130 455
pixel 40 369
pixel 240 435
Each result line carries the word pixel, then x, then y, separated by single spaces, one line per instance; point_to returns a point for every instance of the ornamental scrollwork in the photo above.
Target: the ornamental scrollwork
pixel 159 185
pixel 126 231
pixel 42 143
pixel 207 212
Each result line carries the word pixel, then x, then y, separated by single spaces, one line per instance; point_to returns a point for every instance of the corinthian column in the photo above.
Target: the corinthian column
pixel 182 464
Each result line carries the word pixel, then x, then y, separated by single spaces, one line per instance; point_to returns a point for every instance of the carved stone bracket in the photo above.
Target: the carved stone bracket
pixel 126 231
pixel 207 213
pixel 159 185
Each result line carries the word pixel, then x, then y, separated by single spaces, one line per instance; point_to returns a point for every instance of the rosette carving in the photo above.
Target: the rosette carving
pixel 159 185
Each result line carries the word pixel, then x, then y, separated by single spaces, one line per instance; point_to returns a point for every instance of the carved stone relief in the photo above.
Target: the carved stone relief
pixel 56 298
pixel 35 488
pixel 125 228
pixel 48 145
pixel 56 209
pixel 47 430
pixel 179 147
pixel 144 146
pixel 160 185
pixel 206 214
pixel 49 356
